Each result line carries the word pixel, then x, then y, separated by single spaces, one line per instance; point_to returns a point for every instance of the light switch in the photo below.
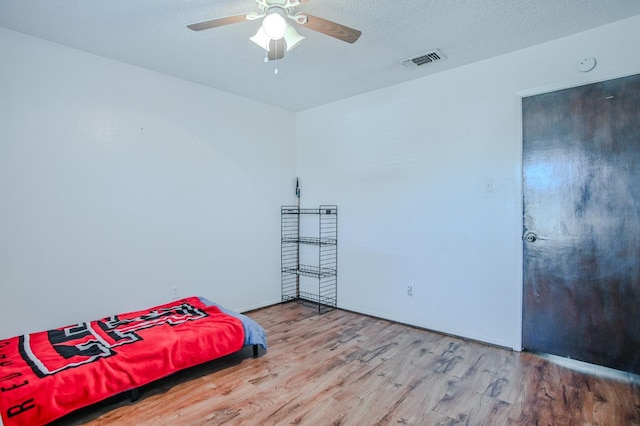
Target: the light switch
pixel 488 185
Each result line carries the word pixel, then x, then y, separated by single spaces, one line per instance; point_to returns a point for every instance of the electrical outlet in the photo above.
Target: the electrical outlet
pixel 410 289
pixel 174 292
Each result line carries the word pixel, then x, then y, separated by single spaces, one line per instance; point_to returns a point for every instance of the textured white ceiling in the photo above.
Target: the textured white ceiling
pixel 153 34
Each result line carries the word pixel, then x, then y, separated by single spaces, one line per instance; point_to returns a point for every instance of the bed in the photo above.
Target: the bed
pixel 46 375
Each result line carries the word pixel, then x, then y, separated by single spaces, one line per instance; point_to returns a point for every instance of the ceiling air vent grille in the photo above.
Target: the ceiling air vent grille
pixel 426 58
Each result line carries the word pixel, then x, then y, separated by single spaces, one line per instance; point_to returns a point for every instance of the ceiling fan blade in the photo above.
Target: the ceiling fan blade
pixel 276 49
pixel 217 22
pixel 341 32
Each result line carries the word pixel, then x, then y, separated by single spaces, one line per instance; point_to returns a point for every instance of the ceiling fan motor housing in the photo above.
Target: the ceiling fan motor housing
pixel 284 5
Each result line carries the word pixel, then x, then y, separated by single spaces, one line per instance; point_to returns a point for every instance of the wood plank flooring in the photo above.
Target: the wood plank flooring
pixel 341 368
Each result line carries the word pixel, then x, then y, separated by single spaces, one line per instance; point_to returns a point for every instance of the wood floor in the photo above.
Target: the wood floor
pixel 342 368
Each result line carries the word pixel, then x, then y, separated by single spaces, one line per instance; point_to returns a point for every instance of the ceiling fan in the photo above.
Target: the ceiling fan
pixel 276 35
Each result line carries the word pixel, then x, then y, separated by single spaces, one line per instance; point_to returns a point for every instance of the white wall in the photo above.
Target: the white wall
pixel 117 183
pixel 408 166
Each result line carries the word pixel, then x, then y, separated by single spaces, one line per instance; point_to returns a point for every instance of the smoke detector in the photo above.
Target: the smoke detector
pixel 423 59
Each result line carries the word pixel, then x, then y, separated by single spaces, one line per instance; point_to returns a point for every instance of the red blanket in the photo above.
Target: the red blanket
pixel 45 375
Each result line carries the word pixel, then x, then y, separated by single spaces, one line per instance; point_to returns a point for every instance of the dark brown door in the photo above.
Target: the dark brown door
pixel 581 239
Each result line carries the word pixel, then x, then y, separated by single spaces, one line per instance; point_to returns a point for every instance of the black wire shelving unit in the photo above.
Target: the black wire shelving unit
pixel 294 266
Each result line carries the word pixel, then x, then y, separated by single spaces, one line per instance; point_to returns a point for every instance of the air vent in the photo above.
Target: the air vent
pixel 425 58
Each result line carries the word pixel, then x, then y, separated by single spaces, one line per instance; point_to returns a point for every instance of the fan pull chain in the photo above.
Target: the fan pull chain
pixel 275 72
pixel 266 57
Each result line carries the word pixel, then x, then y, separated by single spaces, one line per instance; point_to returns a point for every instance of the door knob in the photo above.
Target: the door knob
pixel 530 237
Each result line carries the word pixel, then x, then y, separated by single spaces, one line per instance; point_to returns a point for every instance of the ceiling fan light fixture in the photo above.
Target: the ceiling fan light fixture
pixel 261 39
pixel 274 25
pixel 275 35
pixel 292 38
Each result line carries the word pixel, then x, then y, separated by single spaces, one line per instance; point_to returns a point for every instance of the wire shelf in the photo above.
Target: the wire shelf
pixel 322 210
pixel 323 304
pixel 325 271
pixel 317 241
pixel 310 271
